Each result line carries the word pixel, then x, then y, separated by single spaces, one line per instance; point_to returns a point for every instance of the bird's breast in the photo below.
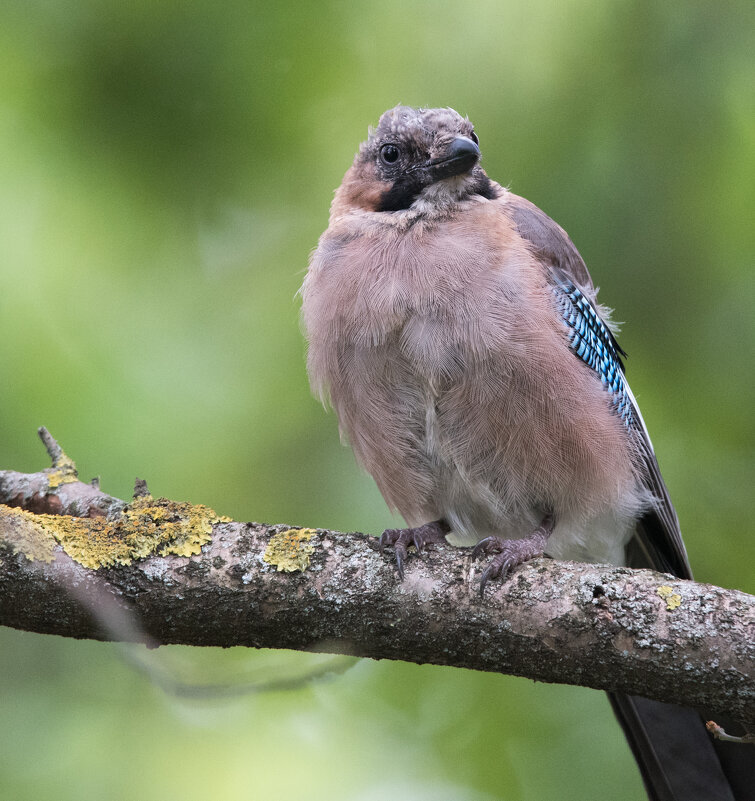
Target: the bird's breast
pixel 444 356
pixel 438 294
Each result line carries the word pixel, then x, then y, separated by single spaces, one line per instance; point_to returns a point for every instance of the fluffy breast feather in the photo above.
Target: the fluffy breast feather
pixel 442 352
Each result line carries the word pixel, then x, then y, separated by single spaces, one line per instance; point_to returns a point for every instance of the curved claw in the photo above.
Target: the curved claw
pixel 390 537
pixel 499 568
pixel 486 576
pixel 483 547
pixel 508 554
pixel 506 568
pixel 402 538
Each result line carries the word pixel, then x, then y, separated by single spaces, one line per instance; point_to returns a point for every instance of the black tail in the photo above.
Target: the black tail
pixel 677 757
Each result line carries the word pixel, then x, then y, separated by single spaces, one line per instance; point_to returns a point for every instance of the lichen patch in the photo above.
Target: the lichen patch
pixel 26 536
pixel 63 471
pixel 290 550
pixel 147 527
pixel 673 599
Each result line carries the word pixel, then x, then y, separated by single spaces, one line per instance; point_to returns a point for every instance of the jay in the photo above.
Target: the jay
pixel 456 331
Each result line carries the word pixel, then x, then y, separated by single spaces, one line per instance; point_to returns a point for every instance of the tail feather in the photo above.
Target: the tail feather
pixel 674 752
pixel 678 758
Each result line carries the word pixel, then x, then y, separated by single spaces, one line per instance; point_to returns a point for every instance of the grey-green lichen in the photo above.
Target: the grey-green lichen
pixel 147 527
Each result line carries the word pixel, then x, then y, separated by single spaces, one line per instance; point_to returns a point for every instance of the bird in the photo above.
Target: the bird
pixel 455 329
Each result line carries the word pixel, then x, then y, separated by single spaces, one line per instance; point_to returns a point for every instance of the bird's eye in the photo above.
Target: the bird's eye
pixel 473 137
pixel 389 154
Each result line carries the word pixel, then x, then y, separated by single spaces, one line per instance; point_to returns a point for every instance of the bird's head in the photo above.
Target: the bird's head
pixel 419 159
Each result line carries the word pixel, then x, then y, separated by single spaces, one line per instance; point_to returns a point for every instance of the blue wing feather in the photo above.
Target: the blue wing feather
pixel 592 341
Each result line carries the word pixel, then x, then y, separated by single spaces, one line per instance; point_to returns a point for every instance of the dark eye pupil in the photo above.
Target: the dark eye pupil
pixel 389 154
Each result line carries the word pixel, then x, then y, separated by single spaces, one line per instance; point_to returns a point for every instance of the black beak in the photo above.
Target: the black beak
pixel 461 156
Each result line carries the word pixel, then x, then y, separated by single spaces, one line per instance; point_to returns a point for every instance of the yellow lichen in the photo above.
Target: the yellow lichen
pixel 673 599
pixel 146 527
pixel 25 535
pixel 290 550
pixel 63 471
pixel 57 477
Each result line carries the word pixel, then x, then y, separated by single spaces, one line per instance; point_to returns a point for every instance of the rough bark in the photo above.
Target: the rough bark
pixel 250 584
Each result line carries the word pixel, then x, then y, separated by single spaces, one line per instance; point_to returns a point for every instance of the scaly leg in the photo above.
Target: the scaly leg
pixel 402 538
pixel 511 553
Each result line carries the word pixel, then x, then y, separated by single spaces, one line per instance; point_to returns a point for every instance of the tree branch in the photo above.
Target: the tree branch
pixel 163 572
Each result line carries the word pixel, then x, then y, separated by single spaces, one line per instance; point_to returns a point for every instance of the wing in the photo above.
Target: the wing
pixel 547 239
pixel 658 542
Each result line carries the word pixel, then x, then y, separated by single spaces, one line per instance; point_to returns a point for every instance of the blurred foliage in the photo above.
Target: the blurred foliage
pixel 167 167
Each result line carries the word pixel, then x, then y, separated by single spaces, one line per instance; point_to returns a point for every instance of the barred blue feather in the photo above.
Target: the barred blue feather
pixel 591 340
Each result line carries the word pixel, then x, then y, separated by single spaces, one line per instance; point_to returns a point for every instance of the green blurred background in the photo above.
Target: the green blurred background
pixel 165 169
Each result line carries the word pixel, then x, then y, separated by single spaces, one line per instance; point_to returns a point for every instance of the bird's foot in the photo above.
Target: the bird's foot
pixel 508 554
pixel 402 538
